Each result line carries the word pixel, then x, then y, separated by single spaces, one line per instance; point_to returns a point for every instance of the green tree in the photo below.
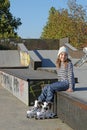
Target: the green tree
pixel 8 23
pixel 59 25
pixel 67 23
pixel 49 31
pixel 78 14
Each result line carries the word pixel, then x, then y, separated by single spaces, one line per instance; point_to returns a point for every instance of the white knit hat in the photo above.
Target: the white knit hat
pixel 62 49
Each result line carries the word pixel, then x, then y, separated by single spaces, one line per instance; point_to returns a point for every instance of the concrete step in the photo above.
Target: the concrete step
pixel 71 110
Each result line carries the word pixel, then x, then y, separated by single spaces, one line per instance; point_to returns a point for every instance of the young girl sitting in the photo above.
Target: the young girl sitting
pixel 66 82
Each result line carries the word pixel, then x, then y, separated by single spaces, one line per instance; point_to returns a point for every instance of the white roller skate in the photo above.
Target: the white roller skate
pixel 33 111
pixel 45 112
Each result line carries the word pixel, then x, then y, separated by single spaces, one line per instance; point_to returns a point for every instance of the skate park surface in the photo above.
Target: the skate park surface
pixel 13 111
pixel 13 116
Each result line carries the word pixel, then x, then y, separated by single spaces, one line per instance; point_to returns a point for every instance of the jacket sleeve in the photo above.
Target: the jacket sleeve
pixel 71 78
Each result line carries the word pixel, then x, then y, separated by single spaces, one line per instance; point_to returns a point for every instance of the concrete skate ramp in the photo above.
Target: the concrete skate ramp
pixel 74 53
pixel 48 57
pixel 10 59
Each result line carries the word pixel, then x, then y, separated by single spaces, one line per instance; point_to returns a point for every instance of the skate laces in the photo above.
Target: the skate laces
pixel 46 110
pixel 45 106
pixel 36 103
pixel 34 109
pixel 36 106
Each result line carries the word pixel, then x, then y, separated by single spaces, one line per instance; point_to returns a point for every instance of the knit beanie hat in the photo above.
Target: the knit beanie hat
pixel 62 49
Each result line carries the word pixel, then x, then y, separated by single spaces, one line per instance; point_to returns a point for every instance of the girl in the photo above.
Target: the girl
pixel 65 83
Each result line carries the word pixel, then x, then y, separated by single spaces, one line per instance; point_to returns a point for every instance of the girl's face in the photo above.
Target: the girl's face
pixel 63 56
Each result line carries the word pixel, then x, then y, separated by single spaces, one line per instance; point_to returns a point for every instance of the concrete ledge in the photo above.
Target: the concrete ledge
pixel 71 110
pixel 34 60
pixel 71 47
pixel 35 64
pixel 25 84
pixel 17 86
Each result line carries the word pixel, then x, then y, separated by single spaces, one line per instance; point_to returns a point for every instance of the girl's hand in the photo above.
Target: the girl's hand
pixel 69 90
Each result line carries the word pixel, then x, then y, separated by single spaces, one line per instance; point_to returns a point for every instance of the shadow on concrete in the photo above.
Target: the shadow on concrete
pixel 45 61
pixel 81 89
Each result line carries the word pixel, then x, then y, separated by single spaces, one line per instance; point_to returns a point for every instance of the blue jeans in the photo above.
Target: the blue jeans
pixel 48 91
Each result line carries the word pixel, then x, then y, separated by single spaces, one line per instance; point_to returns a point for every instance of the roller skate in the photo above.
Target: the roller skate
pixel 45 112
pixel 33 111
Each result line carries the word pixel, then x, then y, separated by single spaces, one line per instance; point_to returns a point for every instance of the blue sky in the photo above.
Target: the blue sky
pixel 34 14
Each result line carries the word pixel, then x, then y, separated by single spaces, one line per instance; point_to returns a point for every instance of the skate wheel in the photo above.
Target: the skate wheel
pixel 27 116
pixel 36 118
